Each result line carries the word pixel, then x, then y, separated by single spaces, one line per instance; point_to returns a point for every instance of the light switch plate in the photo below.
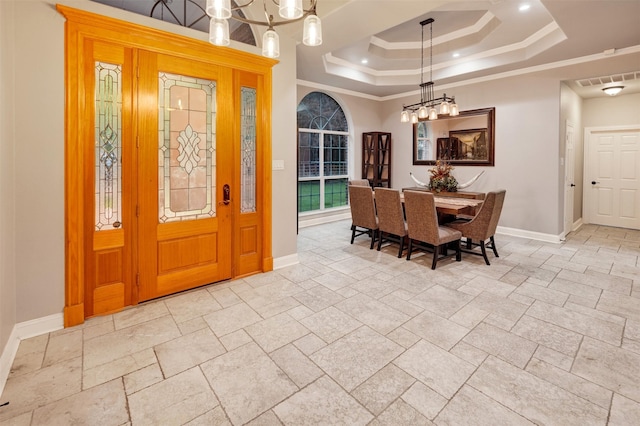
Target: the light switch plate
pixel 278 165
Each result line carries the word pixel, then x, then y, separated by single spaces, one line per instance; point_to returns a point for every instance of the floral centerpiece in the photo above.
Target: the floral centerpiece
pixel 441 178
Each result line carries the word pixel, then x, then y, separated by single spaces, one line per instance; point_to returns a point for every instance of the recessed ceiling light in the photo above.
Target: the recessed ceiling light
pixel 524 7
pixel 365 61
pixel 456 55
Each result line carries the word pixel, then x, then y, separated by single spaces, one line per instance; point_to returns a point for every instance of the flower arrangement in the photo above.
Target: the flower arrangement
pixel 441 178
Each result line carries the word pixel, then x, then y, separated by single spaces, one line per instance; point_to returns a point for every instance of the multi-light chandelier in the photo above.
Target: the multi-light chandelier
pixel 426 108
pixel 289 11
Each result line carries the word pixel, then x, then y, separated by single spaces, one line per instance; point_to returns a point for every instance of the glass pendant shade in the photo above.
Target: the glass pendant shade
pixel 433 114
pixel 453 109
pixel 444 107
pixel 219 9
pixel 219 32
pixel 290 9
pixel 423 112
pixel 414 117
pixel 312 33
pixel 270 44
pixel 404 116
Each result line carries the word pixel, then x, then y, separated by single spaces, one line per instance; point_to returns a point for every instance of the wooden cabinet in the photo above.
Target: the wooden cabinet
pixel 376 158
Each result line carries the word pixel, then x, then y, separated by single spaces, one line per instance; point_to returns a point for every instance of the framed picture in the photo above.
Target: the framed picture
pixel 465 140
pixel 465 145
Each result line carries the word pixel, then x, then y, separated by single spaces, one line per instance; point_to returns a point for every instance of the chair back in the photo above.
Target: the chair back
pixel 496 211
pixel 390 213
pixel 363 210
pixel 484 224
pixel 359 182
pixel 422 217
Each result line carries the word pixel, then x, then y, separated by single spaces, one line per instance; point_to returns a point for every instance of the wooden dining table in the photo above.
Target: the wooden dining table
pixel 452 205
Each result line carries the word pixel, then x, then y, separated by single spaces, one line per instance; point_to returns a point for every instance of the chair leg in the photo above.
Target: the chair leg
pixel 373 238
pixel 484 252
pixel 353 233
pixel 458 252
pixel 401 247
pixel 409 249
pixel 469 243
pixel 493 246
pixel 435 257
pixel 380 235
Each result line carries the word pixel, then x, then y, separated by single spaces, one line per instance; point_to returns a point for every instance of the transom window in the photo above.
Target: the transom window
pixel 323 153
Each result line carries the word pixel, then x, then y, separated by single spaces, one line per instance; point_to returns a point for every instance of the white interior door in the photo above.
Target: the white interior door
pixel 569 177
pixel 612 177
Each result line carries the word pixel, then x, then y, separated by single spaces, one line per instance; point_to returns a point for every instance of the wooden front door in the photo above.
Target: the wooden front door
pixel 184 175
pixel 167 147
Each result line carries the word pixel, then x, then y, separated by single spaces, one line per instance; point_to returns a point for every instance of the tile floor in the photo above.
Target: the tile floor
pixel 548 334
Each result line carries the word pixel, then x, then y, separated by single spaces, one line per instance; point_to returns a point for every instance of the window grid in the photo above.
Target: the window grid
pixel 323 154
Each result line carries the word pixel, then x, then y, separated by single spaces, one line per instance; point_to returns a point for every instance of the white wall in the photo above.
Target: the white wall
pixel 526 148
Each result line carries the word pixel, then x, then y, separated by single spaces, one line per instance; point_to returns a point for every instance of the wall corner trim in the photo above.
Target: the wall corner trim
pixel 22 331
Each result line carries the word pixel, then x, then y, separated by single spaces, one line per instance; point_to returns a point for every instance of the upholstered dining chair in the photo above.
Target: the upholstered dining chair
pixel 359 182
pixel 391 223
pixel 423 227
pixel 363 213
pixel 483 225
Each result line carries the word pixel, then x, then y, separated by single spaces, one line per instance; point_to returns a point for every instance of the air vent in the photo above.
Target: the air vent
pixel 608 79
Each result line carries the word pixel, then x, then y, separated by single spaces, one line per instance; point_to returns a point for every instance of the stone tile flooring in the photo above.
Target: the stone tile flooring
pixel 548 334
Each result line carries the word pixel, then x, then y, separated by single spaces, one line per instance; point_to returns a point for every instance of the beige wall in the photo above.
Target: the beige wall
pixel 620 110
pixel 526 148
pixel 7 192
pixel 571 110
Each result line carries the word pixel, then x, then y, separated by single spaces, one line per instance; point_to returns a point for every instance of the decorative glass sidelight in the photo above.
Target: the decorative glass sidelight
pixel 248 150
pixel 187 144
pixel 108 146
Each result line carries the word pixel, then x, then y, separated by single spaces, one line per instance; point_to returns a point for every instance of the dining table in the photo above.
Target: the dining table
pixel 449 208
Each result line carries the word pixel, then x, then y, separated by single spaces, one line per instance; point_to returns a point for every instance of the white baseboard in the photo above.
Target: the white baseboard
pixel 284 261
pixel 7 357
pixel 550 238
pixel 22 331
pixel 304 223
pixel 576 225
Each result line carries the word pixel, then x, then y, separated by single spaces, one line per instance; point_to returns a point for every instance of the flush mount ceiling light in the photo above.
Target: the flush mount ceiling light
pixel 289 11
pixel 426 108
pixel 612 90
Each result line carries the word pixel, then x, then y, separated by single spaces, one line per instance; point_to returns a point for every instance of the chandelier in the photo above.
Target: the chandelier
pixel 288 10
pixel 426 108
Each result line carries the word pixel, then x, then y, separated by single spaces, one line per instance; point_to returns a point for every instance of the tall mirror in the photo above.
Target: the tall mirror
pixel 467 139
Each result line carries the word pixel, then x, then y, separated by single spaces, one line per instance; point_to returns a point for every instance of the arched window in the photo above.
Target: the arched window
pixel 323 153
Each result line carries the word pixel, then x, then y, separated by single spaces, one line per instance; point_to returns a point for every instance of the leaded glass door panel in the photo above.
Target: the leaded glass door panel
pixel 109 223
pixel 185 220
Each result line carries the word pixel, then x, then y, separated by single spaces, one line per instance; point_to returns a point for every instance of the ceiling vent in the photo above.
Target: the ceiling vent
pixel 617 78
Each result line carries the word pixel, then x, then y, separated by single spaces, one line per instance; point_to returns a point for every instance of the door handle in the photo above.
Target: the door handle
pixel 593 182
pixel 572 185
pixel 226 194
